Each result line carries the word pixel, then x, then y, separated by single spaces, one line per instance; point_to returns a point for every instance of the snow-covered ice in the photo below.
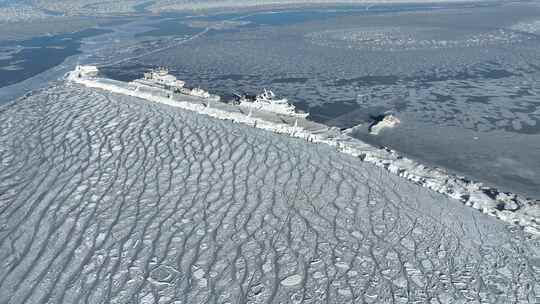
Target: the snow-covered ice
pixel 508 207
pixel 110 198
pixel 107 197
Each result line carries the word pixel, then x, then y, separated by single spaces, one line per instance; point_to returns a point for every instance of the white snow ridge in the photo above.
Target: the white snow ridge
pixel 107 198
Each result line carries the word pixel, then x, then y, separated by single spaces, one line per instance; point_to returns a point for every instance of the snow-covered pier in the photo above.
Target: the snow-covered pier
pixel 509 207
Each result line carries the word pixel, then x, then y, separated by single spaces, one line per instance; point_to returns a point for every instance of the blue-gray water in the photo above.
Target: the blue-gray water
pixel 21 60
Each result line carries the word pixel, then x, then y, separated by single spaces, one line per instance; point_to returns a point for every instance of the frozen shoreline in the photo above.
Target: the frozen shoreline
pixel 509 207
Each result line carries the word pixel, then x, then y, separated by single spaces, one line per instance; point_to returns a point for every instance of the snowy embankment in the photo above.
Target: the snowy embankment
pixel 508 207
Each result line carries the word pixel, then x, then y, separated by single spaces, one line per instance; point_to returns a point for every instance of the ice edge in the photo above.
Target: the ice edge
pixel 506 206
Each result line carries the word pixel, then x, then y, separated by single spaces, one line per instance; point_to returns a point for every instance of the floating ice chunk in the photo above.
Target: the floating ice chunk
pixel 532 27
pixel 203 282
pixel 345 292
pixel 318 275
pixel 400 282
pixel 352 273
pixel 292 280
pixel 389 121
pixel 267 267
pixel 148 299
pixel 198 274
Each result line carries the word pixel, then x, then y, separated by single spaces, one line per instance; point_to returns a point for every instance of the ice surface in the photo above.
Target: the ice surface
pixel 108 198
pixel 468 93
pixel 410 38
pixel 506 206
pixel 472 104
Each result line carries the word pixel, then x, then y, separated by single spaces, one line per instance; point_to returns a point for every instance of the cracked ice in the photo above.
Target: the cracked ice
pixel 107 198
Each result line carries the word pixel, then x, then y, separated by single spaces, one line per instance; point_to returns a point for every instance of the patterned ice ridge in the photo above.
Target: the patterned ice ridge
pixel 508 207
